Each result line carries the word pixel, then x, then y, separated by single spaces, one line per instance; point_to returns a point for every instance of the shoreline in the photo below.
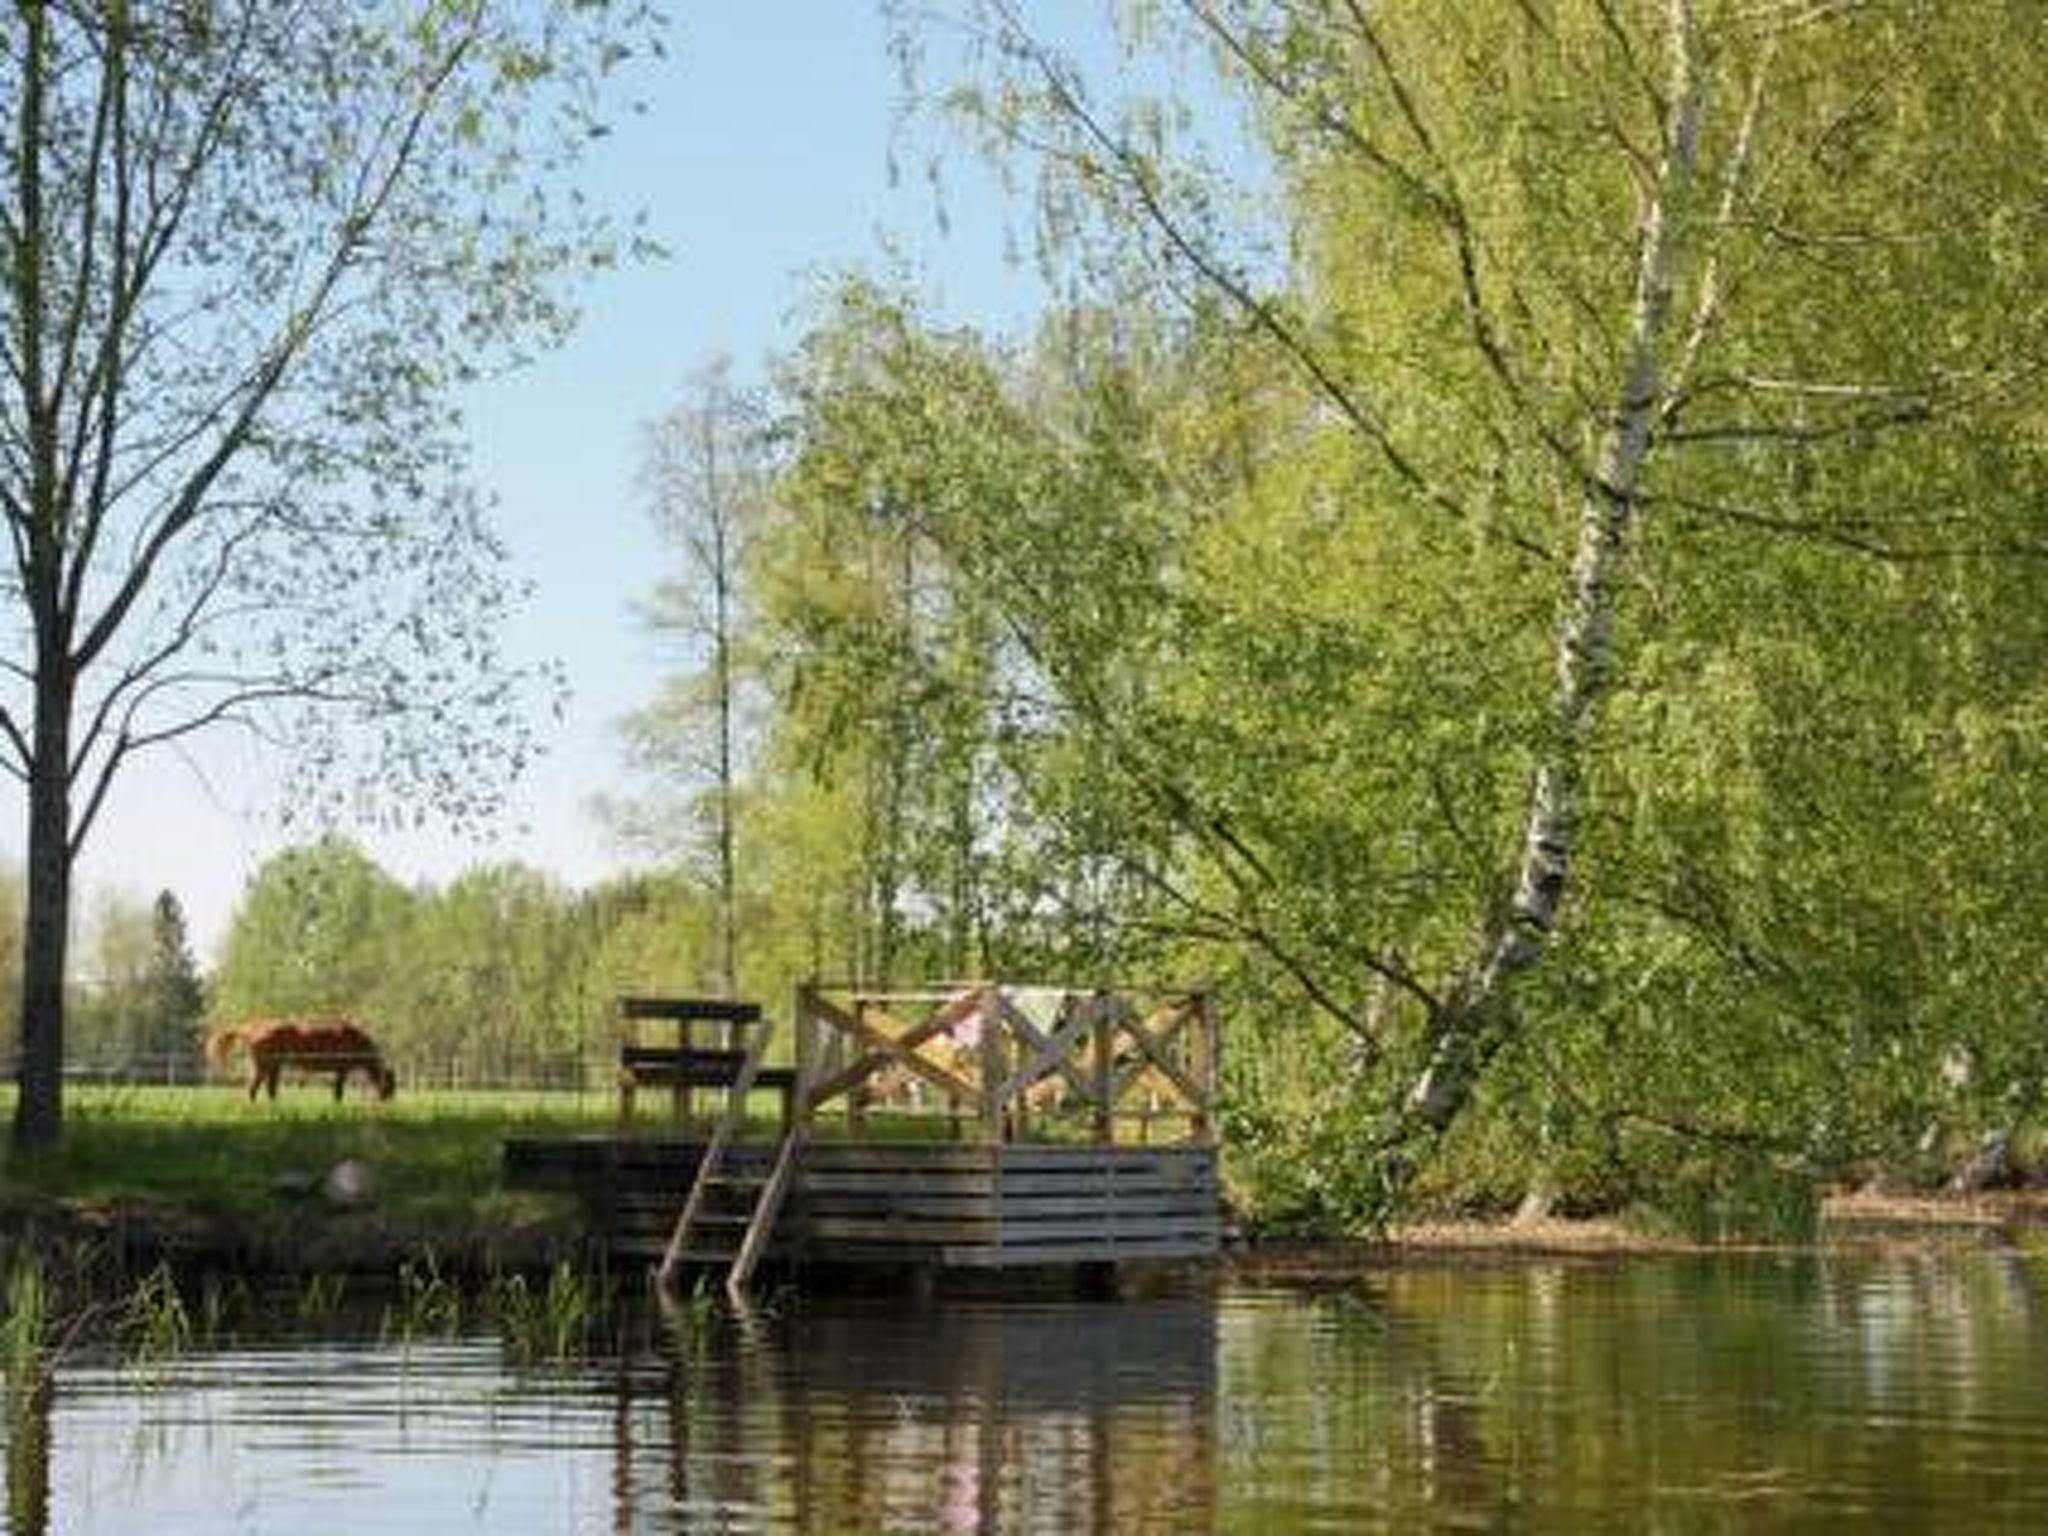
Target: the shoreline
pixel 1850 1221
pixel 1847 1219
pixel 307 1238
pixel 310 1236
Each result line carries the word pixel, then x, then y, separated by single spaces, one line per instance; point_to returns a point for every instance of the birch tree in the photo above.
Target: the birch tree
pixel 706 474
pixel 1575 278
pixel 884 653
pixel 251 251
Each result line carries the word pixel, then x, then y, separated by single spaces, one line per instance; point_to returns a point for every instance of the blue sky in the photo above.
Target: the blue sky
pixel 763 163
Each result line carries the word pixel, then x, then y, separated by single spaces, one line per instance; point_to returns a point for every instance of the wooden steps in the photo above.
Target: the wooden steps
pixel 728 1217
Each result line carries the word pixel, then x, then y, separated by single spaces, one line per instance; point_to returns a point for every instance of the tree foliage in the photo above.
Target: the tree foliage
pixel 138 1003
pixel 705 474
pixel 320 929
pixel 248 252
pixel 1535 640
pixel 1547 623
pixel 501 976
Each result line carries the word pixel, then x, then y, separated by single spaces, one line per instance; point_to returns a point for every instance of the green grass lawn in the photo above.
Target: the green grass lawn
pixel 208 1150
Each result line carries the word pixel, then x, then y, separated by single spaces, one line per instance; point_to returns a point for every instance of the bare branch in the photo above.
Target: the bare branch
pixel 1849 536
pixel 1906 413
pixel 17 743
pixel 283 353
pixel 100 411
pixel 183 632
pixel 1266 315
pixel 224 708
pixel 108 110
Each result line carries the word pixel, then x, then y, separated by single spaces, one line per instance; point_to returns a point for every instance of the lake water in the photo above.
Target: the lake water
pixel 1851 1391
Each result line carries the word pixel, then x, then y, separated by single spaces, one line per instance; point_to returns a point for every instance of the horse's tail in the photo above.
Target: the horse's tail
pixel 221 1043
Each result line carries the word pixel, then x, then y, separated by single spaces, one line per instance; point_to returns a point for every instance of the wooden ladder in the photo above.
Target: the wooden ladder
pixel 713 1184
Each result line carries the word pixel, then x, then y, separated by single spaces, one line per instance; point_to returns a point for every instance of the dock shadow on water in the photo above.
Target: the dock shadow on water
pixel 1859 1391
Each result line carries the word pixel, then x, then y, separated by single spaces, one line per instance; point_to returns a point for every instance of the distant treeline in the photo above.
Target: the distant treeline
pixel 504 974
pixel 137 997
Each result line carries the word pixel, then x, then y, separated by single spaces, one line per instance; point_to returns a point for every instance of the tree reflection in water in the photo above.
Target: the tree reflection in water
pixel 1869 1391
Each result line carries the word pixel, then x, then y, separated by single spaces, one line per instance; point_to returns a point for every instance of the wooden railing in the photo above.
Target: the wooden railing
pixel 1002 1062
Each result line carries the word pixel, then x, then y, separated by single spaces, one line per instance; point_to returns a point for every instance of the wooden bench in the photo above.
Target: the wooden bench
pixel 686 1065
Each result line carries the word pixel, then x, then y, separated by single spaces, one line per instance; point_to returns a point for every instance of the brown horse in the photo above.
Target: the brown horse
pixel 339 1046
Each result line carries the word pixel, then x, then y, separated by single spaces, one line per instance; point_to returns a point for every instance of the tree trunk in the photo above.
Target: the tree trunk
pixel 1476 1017
pixel 722 509
pixel 728 868
pixel 39 1111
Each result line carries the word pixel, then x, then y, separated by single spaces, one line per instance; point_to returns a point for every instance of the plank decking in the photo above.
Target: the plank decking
pixel 917 1204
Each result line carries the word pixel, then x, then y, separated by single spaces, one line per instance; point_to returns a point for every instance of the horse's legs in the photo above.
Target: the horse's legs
pixel 340 1082
pixel 255 1080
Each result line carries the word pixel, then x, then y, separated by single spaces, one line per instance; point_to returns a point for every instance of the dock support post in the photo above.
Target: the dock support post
pixel 1105 1068
pixel 1209 1073
pixel 991 1067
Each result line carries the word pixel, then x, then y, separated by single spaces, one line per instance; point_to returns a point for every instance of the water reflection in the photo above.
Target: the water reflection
pixel 1765 1392
pixel 1055 1417
pixel 1875 1392
pixel 28 1454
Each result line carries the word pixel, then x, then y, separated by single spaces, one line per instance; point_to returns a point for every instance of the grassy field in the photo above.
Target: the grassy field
pixel 209 1151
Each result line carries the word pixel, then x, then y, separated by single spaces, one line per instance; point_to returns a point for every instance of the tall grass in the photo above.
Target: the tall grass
pixel 28 1346
pixel 320 1296
pixel 555 1322
pixel 428 1303
pixel 28 1325
pixel 156 1325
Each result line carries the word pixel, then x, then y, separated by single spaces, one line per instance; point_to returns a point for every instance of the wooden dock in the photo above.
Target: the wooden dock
pixel 973 1126
pixel 910 1204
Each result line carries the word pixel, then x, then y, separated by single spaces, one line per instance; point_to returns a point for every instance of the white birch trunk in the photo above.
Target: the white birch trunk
pixel 1475 1017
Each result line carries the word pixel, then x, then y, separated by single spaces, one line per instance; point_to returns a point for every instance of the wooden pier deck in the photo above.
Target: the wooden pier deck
pixel 1037 1114
pixel 915 1204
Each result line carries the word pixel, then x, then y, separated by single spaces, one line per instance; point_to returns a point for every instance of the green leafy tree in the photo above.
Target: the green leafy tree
pixel 493 960
pixel 319 929
pixel 139 999
pixel 1590 305
pixel 705 472
pixel 112 996
pixel 248 252
pixel 887 662
pixel 176 990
